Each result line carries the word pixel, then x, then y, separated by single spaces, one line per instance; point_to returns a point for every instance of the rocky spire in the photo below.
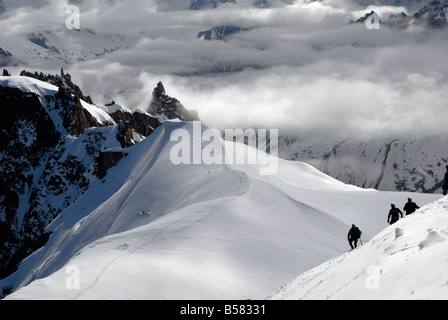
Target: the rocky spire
pixel 433 14
pixel 81 119
pixel 168 108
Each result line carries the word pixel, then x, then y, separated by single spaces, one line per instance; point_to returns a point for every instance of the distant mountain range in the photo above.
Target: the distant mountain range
pixel 397 163
pixel 433 15
pixel 45 46
pixel 92 191
pixel 62 47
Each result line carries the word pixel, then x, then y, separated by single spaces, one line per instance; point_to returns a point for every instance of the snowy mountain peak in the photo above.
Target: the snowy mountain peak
pixel 53 145
pixel 169 108
pixel 432 15
pixel 219 33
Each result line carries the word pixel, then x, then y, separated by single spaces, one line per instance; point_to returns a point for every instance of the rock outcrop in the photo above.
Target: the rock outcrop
pixel 53 143
pixel 168 108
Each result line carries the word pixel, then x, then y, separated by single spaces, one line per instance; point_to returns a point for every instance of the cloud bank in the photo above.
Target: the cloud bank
pixel 299 67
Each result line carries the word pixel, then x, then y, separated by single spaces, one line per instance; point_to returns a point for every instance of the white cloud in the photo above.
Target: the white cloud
pixel 299 66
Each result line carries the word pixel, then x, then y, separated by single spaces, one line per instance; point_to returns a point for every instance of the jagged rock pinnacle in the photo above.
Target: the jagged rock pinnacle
pixel 168 108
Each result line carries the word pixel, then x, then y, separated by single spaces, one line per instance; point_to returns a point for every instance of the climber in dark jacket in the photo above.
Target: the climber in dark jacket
pixel 353 236
pixel 394 214
pixel 445 182
pixel 410 206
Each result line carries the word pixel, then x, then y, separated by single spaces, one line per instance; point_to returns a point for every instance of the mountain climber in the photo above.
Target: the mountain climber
pixel 445 182
pixel 394 214
pixel 354 234
pixel 410 206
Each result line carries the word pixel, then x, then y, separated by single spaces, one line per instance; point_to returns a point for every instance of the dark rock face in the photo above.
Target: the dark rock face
pixel 40 176
pixel 365 17
pixel 28 135
pixel 219 33
pixel 107 160
pixel 81 119
pixel 51 149
pixel 125 134
pixel 433 14
pixel 63 81
pixel 6 57
pixel 145 124
pixel 142 122
pixel 169 108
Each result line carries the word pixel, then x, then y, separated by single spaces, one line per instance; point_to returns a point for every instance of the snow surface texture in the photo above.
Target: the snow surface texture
pixel 155 230
pixel 407 260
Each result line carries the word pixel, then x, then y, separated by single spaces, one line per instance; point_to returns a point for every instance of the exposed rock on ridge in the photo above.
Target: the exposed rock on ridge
pixel 166 107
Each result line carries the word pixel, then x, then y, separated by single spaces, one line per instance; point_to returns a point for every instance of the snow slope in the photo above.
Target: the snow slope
pixel 155 230
pixel 405 261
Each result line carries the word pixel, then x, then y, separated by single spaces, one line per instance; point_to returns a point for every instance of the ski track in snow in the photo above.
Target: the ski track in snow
pixel 158 235
pixel 210 207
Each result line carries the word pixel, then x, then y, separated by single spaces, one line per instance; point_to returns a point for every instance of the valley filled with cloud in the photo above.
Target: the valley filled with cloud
pixel 293 65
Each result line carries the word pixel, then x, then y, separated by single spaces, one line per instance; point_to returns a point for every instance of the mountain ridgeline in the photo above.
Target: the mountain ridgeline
pixel 433 15
pixel 53 143
pixel 394 163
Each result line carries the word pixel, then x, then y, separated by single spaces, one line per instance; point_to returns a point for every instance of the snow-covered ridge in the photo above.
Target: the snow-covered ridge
pixel 155 230
pixel 27 84
pixel 405 261
pixel 150 229
pixel 394 163
pixel 53 145
pixel 42 89
pixel 114 107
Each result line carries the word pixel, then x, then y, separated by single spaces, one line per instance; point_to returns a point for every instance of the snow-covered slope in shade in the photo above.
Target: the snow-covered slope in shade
pixel 155 230
pixel 405 261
